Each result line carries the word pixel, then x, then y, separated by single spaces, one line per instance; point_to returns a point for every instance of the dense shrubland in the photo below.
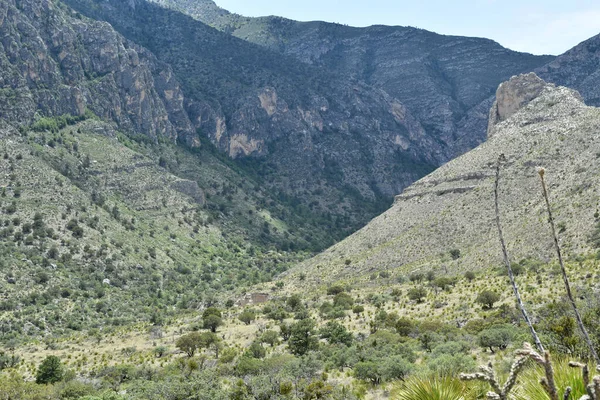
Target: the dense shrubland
pixel 317 346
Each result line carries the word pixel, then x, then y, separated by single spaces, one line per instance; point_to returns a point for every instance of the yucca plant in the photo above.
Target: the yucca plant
pixel 575 378
pixel 437 388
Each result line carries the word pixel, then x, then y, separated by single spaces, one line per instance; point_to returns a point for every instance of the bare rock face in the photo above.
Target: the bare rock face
pixel 579 69
pixel 307 129
pixel 513 95
pixel 54 61
pixel 442 80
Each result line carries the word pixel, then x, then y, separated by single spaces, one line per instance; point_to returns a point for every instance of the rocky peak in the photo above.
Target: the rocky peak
pixel 517 93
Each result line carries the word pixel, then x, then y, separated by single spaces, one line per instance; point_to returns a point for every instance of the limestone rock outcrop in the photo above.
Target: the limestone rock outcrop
pixel 512 95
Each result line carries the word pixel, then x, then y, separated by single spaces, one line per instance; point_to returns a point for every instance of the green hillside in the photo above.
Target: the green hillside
pixel 99 229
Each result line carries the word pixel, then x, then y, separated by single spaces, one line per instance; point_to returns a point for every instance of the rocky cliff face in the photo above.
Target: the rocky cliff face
pixel 307 130
pixel 578 68
pixel 447 82
pixel 513 95
pixel 453 207
pixel 53 61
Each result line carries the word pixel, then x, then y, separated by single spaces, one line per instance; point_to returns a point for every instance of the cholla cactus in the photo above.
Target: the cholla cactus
pixel 499 392
pixel 547 382
pixel 487 375
pixel 592 388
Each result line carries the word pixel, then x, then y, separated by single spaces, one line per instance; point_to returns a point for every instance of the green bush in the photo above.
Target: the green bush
pixel 417 294
pixel 496 338
pixel 487 298
pixel 49 371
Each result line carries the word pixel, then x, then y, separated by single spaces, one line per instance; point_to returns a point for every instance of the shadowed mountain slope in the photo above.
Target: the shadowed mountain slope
pixel 441 79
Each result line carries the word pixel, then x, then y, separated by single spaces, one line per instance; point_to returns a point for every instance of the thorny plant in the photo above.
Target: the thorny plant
pixel 501 392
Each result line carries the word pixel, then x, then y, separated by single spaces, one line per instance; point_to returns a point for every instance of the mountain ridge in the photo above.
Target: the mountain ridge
pixel 451 209
pixel 442 79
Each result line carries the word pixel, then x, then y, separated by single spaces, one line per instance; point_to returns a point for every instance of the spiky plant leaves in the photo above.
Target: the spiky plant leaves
pixel 438 388
pixel 529 387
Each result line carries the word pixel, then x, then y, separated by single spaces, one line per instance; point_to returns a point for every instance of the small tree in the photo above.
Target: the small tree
pixel 455 254
pixel 302 338
pixel 159 351
pixel 294 302
pixel 212 319
pixel 189 343
pixel 270 337
pixel 487 298
pixel 256 350
pixel 247 317
pixel 417 294
pixel 404 326
pixel 50 371
pixel 209 340
pixel 335 333
pixel 469 275
pixel 498 338
pixel 343 300
pixel 368 371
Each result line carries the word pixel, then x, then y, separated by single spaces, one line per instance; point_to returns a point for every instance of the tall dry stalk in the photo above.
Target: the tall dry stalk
pixel 534 334
pixel 541 172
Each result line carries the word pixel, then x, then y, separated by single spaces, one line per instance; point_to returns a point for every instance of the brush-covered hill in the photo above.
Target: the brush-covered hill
pixel 98 229
pixel 441 79
pixel 445 221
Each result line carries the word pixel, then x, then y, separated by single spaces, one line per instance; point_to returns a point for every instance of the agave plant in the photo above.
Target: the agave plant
pixel 437 388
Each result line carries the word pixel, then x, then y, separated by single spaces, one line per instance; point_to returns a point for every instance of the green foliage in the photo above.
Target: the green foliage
pixel 343 300
pixel 443 282
pixel 417 294
pixel 391 368
pixel 247 316
pixel 212 319
pixel 358 309
pixel 54 124
pixel 451 364
pixel 496 338
pixel 469 275
pixel 270 337
pixel 565 376
pixel 50 371
pixel 487 298
pixel 302 337
pixel 336 333
pixel 434 388
pixel 368 371
pixel 189 343
pixel 455 254
pixel 294 302
pixel 404 326
pixel 336 289
pixel 256 350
